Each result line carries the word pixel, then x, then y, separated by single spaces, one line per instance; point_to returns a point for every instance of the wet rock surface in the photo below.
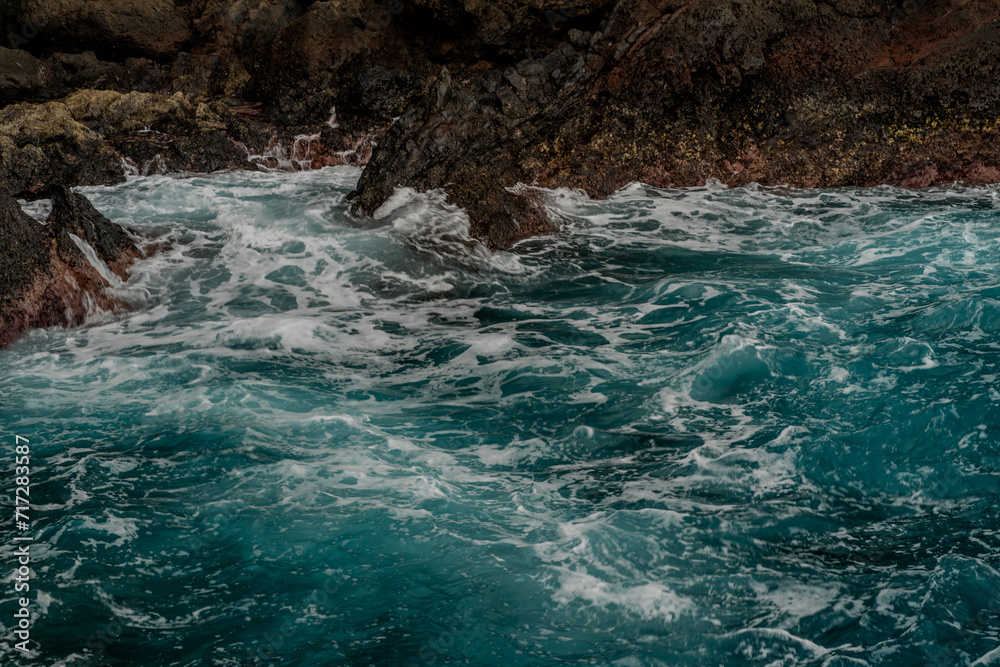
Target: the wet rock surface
pixel 45 277
pixel 481 99
pixel 813 94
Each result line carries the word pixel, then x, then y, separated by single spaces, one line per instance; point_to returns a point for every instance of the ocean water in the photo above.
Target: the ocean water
pixel 694 427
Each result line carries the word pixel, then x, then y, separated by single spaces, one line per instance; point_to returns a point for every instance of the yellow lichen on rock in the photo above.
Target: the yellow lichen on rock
pixel 129 112
pixel 44 123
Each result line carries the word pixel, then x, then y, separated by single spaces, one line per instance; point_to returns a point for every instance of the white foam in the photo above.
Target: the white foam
pixel 39 209
pixel 988 658
pixel 392 361
pixel 649 601
pixel 102 269
pixel 795 602
pixel 123 528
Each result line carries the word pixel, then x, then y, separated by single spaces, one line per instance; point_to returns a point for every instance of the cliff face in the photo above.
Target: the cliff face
pixel 478 97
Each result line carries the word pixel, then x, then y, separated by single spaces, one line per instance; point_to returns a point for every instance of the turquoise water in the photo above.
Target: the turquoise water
pixel 695 427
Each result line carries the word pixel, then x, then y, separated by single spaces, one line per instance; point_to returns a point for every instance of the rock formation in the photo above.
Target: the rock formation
pixel 798 92
pixel 45 277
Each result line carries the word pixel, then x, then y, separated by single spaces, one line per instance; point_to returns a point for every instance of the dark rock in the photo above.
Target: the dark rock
pixel 45 279
pixel 25 250
pixel 43 143
pixel 111 28
pixel 21 74
pixel 328 37
pixel 74 214
pixel 24 77
pixel 83 139
pixel 805 93
pixel 243 27
pixel 512 25
pixel 379 93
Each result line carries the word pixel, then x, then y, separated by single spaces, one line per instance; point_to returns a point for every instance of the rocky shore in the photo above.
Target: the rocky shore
pixel 477 98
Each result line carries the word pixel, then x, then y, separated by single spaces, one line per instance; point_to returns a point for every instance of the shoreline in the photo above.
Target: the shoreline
pixel 476 99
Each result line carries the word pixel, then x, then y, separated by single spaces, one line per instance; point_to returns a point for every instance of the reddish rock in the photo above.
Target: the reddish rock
pixel 45 280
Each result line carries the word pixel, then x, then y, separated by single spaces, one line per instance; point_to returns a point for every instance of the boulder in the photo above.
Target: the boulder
pixel 22 74
pixel 113 29
pixel 42 143
pixel 45 279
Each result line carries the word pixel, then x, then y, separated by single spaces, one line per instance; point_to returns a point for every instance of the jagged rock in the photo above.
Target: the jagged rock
pixel 25 256
pixel 580 93
pixel 382 93
pixel 83 138
pixel 74 214
pixel 43 143
pixel 801 92
pixel 45 279
pixel 25 77
pixel 357 55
